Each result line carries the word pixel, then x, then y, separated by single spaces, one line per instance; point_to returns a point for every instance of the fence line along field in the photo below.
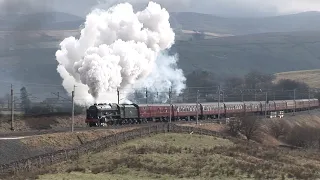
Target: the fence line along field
pixel 249 159
pixel 175 152
pixel 38 162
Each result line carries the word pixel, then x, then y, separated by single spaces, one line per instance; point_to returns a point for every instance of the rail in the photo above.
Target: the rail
pixel 36 163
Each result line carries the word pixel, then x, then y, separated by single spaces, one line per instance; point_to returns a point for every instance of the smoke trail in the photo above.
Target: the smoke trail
pixel 119 49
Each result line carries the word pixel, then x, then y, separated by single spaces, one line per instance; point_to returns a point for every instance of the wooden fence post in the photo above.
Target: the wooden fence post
pixel 51 158
pixel 66 155
pixel 29 165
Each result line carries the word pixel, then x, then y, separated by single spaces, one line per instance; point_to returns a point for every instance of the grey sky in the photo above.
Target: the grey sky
pixel 218 7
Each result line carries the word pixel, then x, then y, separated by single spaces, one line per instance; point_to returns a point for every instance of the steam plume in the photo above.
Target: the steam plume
pixel 119 48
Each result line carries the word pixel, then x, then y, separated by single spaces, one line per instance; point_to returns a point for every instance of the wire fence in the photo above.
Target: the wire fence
pixel 34 99
pixel 217 94
pixel 45 99
pixel 37 163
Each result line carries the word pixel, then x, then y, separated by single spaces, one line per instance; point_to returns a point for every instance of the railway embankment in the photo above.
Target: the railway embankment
pixel 283 128
pixel 108 156
pixel 39 123
pixel 16 148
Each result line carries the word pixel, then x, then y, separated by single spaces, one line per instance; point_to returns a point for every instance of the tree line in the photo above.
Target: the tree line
pixel 48 106
pixel 252 86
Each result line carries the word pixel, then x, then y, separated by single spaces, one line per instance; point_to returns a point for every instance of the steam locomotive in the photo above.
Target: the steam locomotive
pixel 119 114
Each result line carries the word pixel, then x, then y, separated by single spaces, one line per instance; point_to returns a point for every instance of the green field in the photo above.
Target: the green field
pixel 189 156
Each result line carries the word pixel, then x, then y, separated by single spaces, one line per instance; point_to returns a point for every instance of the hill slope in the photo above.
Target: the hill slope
pixel 308 21
pixel 269 53
pixel 235 55
pixel 37 21
pixel 311 77
pixel 185 156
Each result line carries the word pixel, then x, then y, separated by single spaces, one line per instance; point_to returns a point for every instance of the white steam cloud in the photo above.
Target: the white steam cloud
pixel 119 48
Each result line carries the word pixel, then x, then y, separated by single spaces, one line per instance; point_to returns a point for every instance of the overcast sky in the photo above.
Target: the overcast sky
pixel 236 8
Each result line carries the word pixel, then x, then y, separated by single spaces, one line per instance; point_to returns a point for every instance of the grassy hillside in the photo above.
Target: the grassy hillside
pixel 177 156
pixel 311 77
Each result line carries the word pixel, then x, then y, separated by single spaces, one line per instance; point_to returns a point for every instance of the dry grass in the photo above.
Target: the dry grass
pixel 177 156
pixel 311 77
pixel 209 126
pixel 265 136
pixel 40 123
pixel 59 141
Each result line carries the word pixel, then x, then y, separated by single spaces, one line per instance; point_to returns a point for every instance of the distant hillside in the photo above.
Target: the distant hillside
pixel 30 56
pixel 40 21
pixel 311 77
pixel 309 21
pixel 269 53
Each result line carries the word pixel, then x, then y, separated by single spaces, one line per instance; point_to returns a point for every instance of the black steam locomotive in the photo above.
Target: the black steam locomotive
pixel 111 114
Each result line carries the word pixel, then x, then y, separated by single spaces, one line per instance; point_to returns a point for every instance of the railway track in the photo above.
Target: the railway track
pixel 81 129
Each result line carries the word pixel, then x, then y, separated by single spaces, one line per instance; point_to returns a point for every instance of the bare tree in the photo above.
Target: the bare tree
pixel 234 82
pixel 278 128
pixel 249 126
pixel 256 79
pixel 304 136
pixel 234 127
pixel 246 125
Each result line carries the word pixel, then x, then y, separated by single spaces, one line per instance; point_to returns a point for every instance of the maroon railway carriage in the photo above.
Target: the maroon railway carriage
pixel 280 105
pixel 233 108
pixel 299 104
pixel 252 106
pixel 290 105
pixel 270 106
pixel 211 110
pixel 314 103
pixel 305 103
pixel 155 112
pixel 185 111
